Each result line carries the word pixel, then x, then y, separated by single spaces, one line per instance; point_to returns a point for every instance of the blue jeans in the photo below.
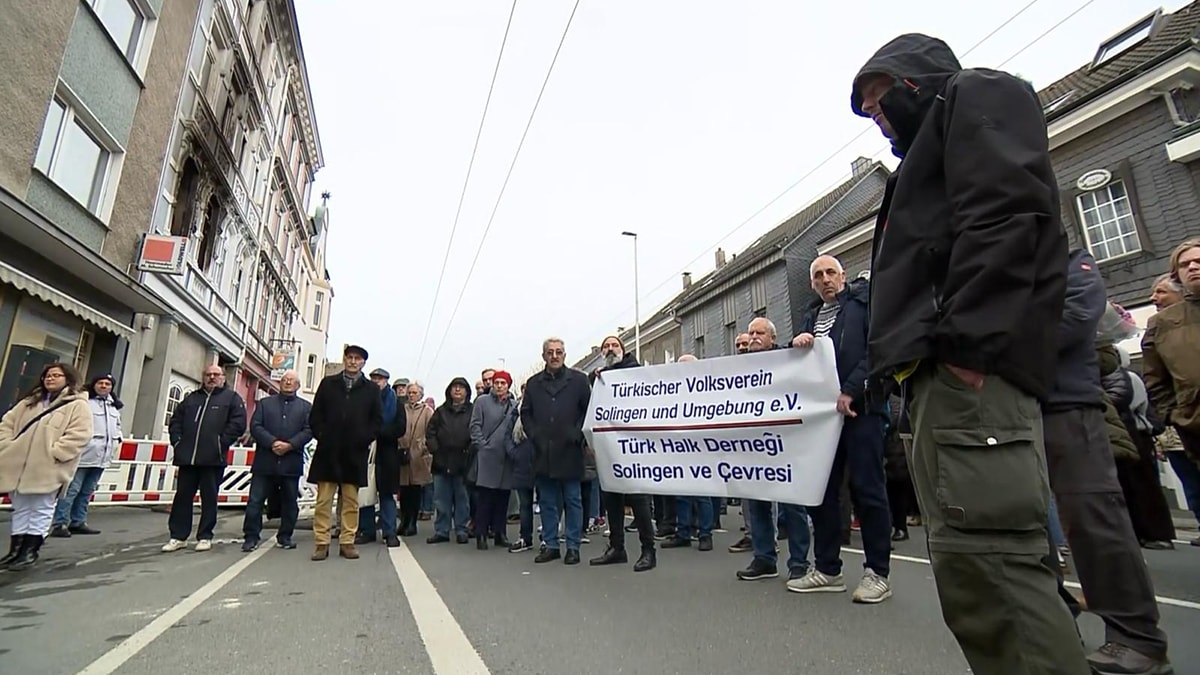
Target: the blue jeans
pixel 261 487
pixel 1057 536
pixel 72 508
pixel 1189 477
pixel 525 498
pixel 452 507
pixel 427 498
pixel 683 516
pixel 560 497
pixel 387 517
pixel 859 455
pixel 762 533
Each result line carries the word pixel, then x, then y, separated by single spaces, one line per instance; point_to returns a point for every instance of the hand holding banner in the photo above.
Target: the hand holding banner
pixel 756 426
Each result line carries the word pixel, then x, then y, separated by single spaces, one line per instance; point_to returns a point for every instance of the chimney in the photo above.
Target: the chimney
pixel 687 280
pixel 720 258
pixel 861 166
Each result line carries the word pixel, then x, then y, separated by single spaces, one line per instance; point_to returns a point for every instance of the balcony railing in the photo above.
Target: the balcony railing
pixel 200 288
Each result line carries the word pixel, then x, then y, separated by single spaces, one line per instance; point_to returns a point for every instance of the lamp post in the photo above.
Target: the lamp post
pixel 637 312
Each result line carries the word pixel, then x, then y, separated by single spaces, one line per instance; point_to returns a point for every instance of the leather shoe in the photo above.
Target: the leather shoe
pixel 348 551
pixel 646 562
pixel 572 557
pixel 321 552
pixel 611 556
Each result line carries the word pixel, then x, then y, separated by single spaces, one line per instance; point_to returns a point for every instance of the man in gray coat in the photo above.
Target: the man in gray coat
pixel 280 430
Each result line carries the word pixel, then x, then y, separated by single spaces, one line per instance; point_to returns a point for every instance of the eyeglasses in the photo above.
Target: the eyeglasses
pixel 53 376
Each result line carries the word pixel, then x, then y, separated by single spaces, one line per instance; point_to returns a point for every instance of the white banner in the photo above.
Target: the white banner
pixel 757 426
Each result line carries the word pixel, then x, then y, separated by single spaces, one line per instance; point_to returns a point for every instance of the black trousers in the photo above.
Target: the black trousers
pixel 614 506
pixel 900 499
pixel 409 503
pixel 191 479
pixel 1104 549
pixel 492 514
pixel 664 513
pixel 285 492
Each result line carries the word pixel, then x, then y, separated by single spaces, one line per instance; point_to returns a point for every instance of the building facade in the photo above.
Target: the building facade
pixel 233 191
pixel 1125 142
pixel 83 83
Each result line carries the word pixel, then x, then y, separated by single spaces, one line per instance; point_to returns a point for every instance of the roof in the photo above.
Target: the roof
pixel 773 241
pixel 1171 33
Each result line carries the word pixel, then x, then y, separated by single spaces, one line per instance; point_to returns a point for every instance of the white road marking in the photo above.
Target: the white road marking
pixel 450 652
pixel 1162 600
pixel 128 648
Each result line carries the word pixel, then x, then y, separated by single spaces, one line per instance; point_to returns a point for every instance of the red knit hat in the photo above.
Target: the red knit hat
pixel 502 375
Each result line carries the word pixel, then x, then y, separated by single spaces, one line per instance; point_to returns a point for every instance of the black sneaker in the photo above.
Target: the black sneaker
pixel 705 544
pixel 797 573
pixel 82 529
pixel 520 546
pixel 285 543
pixel 437 539
pixel 461 539
pixel 743 545
pixel 677 542
pixel 758 569
pixel 572 557
pixel 664 533
pixel 548 555
pixel 392 541
pixel 249 545
pixel 60 531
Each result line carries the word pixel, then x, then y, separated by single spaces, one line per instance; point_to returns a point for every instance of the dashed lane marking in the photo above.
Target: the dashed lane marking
pixel 128 648
pixel 1162 600
pixel 449 649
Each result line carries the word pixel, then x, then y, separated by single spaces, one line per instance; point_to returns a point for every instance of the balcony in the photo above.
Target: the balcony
pixel 200 288
pixel 1184 145
pixel 203 125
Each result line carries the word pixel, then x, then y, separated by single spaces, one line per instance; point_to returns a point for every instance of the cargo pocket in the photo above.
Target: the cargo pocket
pixel 991 479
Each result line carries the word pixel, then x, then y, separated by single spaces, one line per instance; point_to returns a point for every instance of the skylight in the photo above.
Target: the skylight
pixel 1126 39
pixel 1058 102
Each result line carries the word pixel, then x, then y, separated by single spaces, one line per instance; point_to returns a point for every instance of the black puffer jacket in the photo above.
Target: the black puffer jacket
pixel 204 425
pixel 449 433
pixel 967 267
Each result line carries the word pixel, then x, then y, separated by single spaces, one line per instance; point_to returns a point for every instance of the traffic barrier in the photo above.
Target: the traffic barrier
pixel 142 473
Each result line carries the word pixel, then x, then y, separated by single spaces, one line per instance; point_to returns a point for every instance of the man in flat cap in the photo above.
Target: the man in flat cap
pixel 346 417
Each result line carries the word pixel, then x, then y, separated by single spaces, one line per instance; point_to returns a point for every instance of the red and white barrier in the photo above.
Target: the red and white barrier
pixel 142 473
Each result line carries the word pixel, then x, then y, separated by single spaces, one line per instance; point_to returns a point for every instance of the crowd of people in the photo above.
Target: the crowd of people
pixel 981 383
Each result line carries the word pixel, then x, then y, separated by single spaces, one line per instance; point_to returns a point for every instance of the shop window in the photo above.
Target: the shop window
pixel 41 335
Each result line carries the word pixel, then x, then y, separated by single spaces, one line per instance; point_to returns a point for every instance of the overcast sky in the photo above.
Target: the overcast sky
pixel 676 120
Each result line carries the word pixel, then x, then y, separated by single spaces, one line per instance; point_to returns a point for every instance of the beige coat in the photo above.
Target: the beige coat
pixel 419 470
pixel 43 459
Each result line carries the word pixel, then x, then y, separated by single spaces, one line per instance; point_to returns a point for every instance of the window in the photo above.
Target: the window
pixel 71 156
pixel 1108 224
pixel 758 295
pixel 310 373
pixel 1125 40
pixel 731 332
pixel 185 199
pixel 728 309
pixel 213 215
pixel 174 398
pixel 700 347
pixel 123 21
pixel 319 306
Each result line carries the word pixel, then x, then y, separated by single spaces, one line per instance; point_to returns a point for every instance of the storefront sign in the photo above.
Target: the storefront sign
pixel 162 254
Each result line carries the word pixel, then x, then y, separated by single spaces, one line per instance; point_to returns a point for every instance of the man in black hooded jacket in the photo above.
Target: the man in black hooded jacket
pixel 615 502
pixel 968 276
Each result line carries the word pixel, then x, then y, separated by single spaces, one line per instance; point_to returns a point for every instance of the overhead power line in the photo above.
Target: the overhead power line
pixel 504 186
pixel 671 279
pixel 466 181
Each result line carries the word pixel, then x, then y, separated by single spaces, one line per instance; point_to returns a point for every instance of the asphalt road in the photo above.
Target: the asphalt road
pixel 113 602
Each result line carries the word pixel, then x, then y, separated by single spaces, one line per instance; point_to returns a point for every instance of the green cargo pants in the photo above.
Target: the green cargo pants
pixel 979 469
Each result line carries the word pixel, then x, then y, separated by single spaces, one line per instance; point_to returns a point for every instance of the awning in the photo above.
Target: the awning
pixel 42 291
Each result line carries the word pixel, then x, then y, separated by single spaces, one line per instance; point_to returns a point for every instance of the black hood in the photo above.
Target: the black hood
pixel 920 66
pixel 858 290
pixel 465 385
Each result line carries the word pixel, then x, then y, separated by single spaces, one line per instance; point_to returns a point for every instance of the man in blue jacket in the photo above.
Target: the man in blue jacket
pixel 840 314
pixel 280 430
pixel 1083 477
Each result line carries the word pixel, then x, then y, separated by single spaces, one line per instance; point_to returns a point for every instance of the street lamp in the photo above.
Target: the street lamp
pixel 501 361
pixel 637 312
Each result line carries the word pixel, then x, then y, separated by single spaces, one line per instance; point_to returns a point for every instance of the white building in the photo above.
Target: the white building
pixel 236 186
pixel 312 325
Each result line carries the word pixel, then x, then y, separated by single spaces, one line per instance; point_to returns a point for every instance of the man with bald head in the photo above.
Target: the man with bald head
pixel 280 430
pixel 840 314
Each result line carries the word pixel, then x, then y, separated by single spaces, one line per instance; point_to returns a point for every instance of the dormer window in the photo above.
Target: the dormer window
pixel 1058 102
pixel 1126 39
